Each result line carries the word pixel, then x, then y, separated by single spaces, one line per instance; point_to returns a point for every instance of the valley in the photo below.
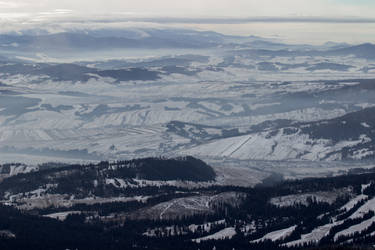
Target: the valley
pixel 184 139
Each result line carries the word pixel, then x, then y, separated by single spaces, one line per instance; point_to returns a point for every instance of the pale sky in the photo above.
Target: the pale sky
pixel 198 8
pixel 353 20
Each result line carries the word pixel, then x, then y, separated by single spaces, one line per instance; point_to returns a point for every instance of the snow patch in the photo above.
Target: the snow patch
pixel 62 215
pixel 359 228
pixel 315 236
pixel 364 209
pixel 277 235
pixel 364 124
pixel 226 233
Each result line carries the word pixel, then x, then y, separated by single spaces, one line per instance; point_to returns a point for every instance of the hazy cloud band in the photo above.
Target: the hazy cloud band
pixel 246 20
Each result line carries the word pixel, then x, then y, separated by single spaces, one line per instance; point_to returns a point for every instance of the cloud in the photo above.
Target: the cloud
pixel 265 19
pixel 9 5
pixel 203 8
pixel 285 17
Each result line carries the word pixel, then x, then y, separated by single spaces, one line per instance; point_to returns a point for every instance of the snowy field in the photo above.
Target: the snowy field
pixel 217 102
pixel 234 109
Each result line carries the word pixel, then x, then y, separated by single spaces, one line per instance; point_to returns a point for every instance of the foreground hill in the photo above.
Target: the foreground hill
pixel 104 179
pixel 107 206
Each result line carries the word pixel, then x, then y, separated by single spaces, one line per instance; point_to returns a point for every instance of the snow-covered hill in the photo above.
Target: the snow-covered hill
pixel 347 137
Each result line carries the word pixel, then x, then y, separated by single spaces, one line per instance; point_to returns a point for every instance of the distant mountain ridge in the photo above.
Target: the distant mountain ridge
pixel 70 41
pixel 102 39
pixel 366 51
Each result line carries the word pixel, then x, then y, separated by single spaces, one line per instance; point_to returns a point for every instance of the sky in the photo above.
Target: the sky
pixel 239 17
pixel 198 8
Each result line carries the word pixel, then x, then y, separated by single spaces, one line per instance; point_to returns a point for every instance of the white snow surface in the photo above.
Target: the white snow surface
pixel 277 235
pixel 226 233
pixel 109 120
pixel 355 228
pixel 364 186
pixel 206 226
pixel 364 124
pixel 7 234
pixel 365 208
pixel 61 215
pixel 175 230
pixel 291 200
pixel 281 146
pixel 353 202
pixel 314 236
